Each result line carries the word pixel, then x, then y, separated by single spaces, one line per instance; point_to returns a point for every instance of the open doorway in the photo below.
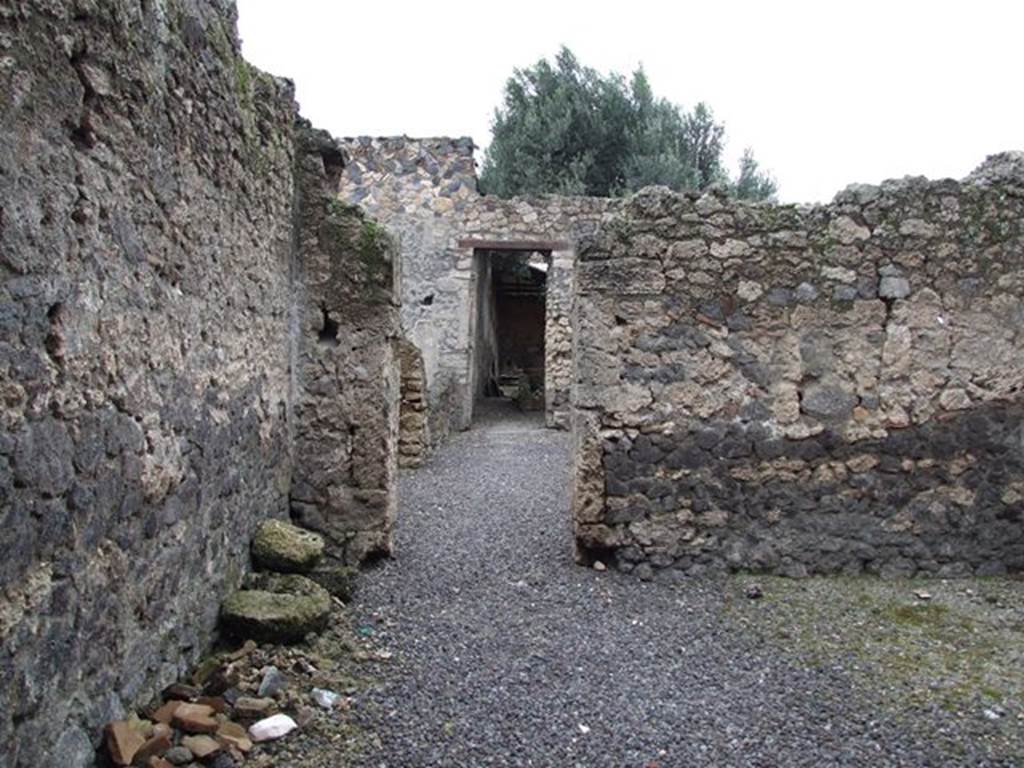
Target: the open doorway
pixel 510 325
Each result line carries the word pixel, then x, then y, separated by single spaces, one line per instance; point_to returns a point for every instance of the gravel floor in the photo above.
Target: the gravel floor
pixel 508 654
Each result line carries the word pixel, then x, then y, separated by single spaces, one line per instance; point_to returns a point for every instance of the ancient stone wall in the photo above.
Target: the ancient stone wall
pixel 149 352
pixel 347 405
pixel 803 390
pixel 424 191
pixel 413 439
pixel 558 338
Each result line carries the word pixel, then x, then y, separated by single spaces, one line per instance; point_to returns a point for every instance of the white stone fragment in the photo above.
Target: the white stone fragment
pixel 273 727
pixel 324 698
pixel 839 274
pixel 847 231
pixel 748 290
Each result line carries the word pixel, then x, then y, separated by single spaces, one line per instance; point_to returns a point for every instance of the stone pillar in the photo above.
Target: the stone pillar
pixel 558 339
pixel 413 434
pixel 347 388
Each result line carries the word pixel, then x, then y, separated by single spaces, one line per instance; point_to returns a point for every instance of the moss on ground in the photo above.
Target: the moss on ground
pixel 910 645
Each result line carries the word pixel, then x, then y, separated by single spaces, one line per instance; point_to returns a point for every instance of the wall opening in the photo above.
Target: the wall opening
pixel 328 333
pixel 510 327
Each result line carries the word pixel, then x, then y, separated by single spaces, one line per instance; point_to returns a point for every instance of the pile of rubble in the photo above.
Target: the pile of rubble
pixel 238 701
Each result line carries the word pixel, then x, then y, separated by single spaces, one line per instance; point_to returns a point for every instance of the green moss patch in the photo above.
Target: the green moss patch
pixel 909 645
pixel 277 609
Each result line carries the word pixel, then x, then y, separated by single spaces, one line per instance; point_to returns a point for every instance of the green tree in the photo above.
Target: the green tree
pixel 560 130
pixel 656 152
pixel 564 128
pixel 753 183
pixel 704 139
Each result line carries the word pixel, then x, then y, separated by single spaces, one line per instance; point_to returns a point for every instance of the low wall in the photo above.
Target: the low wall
pixel 800 390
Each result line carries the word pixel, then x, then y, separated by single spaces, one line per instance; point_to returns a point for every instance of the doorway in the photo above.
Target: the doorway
pixel 510 324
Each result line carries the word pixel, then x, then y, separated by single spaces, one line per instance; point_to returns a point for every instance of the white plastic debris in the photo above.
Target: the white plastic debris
pixel 273 727
pixel 326 699
pixel 584 729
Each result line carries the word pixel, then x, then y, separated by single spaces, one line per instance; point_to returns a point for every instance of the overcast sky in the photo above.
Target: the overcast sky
pixel 827 93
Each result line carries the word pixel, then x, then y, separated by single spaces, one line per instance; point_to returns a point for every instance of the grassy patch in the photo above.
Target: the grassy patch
pixel 909 645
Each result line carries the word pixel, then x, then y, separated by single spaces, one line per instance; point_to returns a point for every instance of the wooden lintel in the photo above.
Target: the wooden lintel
pixel 514 245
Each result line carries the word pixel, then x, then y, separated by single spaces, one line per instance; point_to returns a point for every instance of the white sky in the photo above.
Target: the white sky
pixel 827 92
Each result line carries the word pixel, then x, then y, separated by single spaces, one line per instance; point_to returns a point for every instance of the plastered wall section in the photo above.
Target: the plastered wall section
pixel 805 390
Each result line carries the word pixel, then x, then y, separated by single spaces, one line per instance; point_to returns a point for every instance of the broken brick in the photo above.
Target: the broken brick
pixel 234 735
pixel 214 702
pixel 155 746
pixel 123 742
pixel 165 714
pixel 195 718
pixel 251 708
pixel 201 746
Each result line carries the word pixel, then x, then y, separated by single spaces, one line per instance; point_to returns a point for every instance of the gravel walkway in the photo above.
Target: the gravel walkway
pixel 508 654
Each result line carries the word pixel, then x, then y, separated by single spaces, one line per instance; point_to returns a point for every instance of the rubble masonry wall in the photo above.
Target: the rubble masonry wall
pixel 152 401
pixel 805 390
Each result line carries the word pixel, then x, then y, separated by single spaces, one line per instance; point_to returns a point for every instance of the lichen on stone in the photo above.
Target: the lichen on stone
pixel 276 608
pixel 281 546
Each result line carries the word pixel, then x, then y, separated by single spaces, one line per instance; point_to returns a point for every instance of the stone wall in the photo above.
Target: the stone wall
pixel 149 356
pixel 347 410
pixel 800 390
pixel 558 339
pixel 424 191
pixel 413 440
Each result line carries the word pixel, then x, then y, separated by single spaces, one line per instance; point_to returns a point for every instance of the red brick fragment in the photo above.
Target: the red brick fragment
pixel 155 746
pixel 123 742
pixel 165 714
pixel 195 718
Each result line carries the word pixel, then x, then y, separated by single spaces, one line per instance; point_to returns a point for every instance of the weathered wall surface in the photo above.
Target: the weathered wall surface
pixel 805 390
pixel 485 343
pixel 347 409
pixel 558 338
pixel 144 252
pixel 424 190
pixel 148 324
pixel 413 439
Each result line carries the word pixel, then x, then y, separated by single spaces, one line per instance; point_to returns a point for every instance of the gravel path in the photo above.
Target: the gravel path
pixel 508 654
